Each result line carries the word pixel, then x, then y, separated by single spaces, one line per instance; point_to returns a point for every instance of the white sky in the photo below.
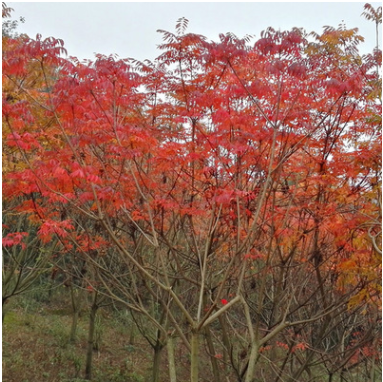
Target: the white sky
pixel 129 28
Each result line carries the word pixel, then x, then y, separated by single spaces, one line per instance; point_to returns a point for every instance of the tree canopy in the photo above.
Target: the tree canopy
pixel 237 183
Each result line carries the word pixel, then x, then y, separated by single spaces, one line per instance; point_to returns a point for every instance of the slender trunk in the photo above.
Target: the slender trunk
pixel 5 300
pixel 157 362
pixel 50 289
pixel 73 330
pixel 213 359
pixel 171 360
pixel 76 307
pixel 194 343
pixel 132 336
pixel 225 339
pixel 254 353
pixel 89 353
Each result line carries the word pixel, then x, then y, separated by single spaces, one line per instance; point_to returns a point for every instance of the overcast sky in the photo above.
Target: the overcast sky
pixel 129 28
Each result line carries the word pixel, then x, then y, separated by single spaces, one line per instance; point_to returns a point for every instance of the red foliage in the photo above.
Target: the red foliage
pixel 267 152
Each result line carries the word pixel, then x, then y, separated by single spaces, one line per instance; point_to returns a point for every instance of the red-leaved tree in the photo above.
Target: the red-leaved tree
pixel 227 192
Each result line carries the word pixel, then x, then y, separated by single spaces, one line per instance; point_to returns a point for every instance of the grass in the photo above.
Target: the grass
pixel 36 347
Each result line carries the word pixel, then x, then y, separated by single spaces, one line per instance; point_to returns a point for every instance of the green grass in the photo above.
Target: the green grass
pixel 36 347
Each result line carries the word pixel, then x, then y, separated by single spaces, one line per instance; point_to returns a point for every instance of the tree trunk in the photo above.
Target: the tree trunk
pixel 76 308
pixel 254 353
pixel 5 300
pixel 213 359
pixel 89 353
pixel 194 359
pixel 132 336
pixel 171 360
pixel 73 330
pixel 226 341
pixel 157 362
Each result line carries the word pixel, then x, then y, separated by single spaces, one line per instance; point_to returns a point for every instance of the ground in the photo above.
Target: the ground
pixel 36 346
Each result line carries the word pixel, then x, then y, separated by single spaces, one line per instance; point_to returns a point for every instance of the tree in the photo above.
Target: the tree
pixel 9 26
pixel 375 15
pixel 25 256
pixel 237 183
